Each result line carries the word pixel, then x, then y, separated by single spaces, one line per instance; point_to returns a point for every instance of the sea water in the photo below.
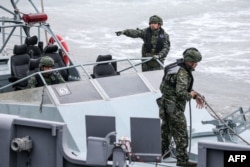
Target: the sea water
pixel 220 29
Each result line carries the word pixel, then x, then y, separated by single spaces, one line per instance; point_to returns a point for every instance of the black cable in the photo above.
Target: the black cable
pixel 190 131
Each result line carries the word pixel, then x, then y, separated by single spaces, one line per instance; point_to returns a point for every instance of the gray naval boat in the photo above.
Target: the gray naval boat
pixel 104 115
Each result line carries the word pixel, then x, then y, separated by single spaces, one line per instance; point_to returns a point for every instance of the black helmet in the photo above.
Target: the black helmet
pixel 46 61
pixel 192 54
pixel 155 19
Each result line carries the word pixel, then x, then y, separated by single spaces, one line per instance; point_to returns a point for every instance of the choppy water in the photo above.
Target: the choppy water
pixel 220 29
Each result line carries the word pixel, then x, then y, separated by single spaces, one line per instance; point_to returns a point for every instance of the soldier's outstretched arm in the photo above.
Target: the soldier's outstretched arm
pixel 118 33
pixel 133 33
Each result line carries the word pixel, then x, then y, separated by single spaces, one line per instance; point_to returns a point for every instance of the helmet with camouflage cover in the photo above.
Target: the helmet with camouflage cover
pixel 192 54
pixel 155 19
pixel 46 61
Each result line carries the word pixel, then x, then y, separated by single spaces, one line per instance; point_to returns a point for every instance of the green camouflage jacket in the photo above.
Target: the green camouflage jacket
pixel 175 88
pixel 157 36
pixel 176 84
pixel 53 78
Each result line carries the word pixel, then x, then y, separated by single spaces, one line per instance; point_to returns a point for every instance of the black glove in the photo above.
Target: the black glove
pixel 118 33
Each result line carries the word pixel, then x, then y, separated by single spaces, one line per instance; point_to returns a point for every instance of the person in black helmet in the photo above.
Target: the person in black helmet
pixel 156 42
pixel 176 89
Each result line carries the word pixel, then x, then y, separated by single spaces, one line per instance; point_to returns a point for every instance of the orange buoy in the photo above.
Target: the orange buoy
pixel 65 46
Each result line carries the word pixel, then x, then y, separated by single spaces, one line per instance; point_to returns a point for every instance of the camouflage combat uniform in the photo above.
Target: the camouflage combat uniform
pixel 52 78
pixel 176 86
pixel 175 89
pixel 155 42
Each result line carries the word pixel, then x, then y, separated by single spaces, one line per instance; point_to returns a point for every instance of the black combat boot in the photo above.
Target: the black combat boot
pixel 186 164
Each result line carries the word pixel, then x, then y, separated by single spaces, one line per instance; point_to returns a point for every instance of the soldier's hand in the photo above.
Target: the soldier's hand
pixel 200 102
pixel 193 94
pixel 156 57
pixel 199 99
pixel 118 33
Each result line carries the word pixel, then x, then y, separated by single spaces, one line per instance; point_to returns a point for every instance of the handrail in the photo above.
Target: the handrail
pixel 36 73
pixel 82 66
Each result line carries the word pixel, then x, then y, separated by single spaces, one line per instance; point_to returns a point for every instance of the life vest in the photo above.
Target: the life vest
pixel 172 69
pixel 160 41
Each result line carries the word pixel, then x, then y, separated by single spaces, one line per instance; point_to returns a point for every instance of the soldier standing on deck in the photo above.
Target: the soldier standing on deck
pixel 156 42
pixel 176 89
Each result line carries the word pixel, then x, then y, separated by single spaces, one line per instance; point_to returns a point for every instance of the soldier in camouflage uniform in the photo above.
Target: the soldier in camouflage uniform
pixel 46 63
pixel 176 89
pixel 156 42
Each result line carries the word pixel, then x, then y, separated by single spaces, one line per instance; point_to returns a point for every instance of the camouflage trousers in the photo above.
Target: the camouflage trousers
pixel 175 125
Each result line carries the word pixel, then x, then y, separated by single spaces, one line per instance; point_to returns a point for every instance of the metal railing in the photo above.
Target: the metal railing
pixel 84 70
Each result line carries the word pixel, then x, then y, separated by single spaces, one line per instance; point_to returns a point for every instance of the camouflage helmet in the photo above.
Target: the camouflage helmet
pixel 192 54
pixel 155 19
pixel 46 61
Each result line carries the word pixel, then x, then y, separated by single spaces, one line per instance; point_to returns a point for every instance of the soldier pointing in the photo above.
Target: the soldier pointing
pixel 156 42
